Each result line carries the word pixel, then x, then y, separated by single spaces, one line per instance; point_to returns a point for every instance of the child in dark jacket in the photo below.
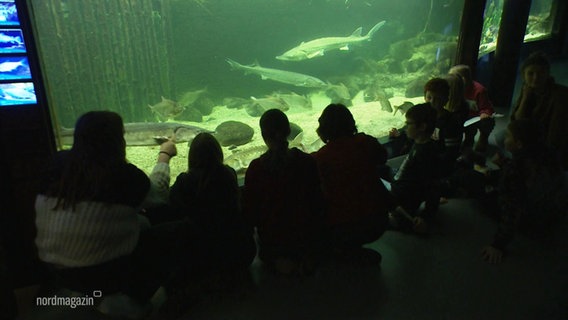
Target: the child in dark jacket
pixel 283 200
pixel 415 180
pixel 532 189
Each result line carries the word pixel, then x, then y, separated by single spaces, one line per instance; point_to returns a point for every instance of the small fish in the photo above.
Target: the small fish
pixel 338 92
pixel 189 97
pixel 294 100
pixel 375 93
pixel 166 109
pixel 405 106
pixel 271 103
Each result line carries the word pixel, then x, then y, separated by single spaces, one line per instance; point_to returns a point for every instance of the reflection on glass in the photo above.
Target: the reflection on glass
pixel 8 13
pixel 17 93
pixel 539 23
pixel 14 68
pixel 12 41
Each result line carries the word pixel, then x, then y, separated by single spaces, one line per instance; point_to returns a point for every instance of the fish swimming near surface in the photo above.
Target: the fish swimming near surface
pixel 147 133
pixel 166 109
pixel 288 77
pixel 318 47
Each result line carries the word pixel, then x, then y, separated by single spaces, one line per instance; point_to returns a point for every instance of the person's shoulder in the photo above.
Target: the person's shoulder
pixel 478 86
pixel 301 155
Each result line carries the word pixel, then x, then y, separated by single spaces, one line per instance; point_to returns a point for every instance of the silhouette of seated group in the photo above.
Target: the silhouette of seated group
pixel 104 224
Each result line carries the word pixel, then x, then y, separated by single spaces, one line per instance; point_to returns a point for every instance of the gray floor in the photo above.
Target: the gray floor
pixel 439 277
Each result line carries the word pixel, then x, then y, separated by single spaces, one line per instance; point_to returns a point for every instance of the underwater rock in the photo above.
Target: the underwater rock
pixel 235 133
pixel 254 110
pixel 166 109
pixel 338 92
pixel 414 64
pixel 204 105
pixel 402 50
pixel 191 114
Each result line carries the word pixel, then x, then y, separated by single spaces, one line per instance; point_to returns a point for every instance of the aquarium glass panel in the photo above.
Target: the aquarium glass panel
pixel 539 24
pixel 12 94
pixel 216 65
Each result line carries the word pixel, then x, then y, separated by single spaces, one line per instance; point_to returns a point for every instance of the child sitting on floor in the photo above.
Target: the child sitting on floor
pixel 415 180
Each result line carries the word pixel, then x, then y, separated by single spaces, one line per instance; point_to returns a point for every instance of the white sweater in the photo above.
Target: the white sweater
pixel 94 232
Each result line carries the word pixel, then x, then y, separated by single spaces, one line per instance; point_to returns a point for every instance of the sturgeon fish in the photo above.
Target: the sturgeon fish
pixel 318 47
pixel 289 77
pixel 146 133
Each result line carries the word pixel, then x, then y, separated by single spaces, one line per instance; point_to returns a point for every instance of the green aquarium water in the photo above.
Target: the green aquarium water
pixel 539 24
pixel 210 63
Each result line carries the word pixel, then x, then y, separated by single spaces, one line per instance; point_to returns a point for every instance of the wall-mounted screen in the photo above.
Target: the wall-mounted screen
pixel 17 93
pixel 14 68
pixel 8 13
pixel 12 41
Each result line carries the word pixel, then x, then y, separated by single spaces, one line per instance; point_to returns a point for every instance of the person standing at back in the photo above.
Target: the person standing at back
pixel 282 199
pixel 349 165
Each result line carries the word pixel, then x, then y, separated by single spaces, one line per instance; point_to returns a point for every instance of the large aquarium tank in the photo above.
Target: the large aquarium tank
pixel 187 66
pixel 539 24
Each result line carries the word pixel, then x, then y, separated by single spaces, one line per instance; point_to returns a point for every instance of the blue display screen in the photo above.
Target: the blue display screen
pixel 17 93
pixel 12 41
pixel 14 68
pixel 8 13
pixel 16 86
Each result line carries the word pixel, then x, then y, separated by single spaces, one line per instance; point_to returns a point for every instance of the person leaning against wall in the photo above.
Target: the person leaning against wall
pixel 545 101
